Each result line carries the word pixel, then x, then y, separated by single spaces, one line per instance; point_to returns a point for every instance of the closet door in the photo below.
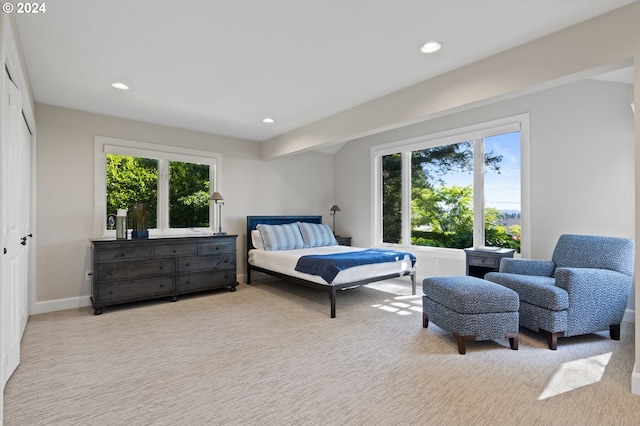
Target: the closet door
pixel 15 221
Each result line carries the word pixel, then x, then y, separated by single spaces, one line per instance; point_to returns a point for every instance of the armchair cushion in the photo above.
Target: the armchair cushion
pixel 539 291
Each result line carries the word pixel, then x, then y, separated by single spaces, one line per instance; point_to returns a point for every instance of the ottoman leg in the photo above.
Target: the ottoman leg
pixel 462 346
pixel 425 320
pixel 513 340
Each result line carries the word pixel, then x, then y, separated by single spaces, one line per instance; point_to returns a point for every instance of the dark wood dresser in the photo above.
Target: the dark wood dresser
pixel 141 269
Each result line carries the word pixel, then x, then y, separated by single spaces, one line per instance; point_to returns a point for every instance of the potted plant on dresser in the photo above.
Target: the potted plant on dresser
pixel 139 221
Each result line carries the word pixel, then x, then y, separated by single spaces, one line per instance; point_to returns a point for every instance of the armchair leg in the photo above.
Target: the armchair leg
pixel 425 320
pixel 513 340
pixel 614 331
pixel 552 338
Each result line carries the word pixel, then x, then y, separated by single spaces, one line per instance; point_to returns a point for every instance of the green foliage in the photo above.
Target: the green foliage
pixel 188 195
pixel 441 216
pixel 132 180
pixel 391 198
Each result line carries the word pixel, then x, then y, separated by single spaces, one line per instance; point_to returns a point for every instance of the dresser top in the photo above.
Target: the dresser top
pixel 176 239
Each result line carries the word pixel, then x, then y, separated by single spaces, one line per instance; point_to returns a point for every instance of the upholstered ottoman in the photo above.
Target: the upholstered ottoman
pixel 471 309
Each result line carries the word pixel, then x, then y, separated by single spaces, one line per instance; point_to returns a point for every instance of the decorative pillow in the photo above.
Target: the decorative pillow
pixel 256 239
pixel 281 237
pixel 317 234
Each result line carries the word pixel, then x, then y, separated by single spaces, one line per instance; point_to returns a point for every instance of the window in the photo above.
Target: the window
pixel 174 184
pixel 455 190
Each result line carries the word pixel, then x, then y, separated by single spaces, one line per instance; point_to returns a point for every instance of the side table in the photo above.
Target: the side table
pixel 343 241
pixel 482 261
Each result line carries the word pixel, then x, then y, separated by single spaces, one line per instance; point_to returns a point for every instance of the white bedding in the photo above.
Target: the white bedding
pixel 284 262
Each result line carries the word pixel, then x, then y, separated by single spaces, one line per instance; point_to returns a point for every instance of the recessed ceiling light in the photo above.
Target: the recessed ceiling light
pixel 268 120
pixel 431 47
pixel 119 86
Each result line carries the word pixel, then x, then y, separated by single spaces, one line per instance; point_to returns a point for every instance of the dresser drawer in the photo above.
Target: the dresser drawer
pixel 217 247
pixel 223 261
pixel 122 253
pixel 117 271
pixel 487 262
pixel 204 280
pixel 134 289
pixel 175 250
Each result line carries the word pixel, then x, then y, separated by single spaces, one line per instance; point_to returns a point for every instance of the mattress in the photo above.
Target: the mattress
pixel 284 262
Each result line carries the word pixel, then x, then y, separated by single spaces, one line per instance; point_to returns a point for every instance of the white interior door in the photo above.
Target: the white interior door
pixel 15 222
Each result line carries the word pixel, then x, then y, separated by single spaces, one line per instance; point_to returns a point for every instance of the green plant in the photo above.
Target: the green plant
pixel 139 217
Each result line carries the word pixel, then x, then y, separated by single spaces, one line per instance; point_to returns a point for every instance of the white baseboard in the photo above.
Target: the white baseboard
pixel 629 316
pixel 61 304
pixel 76 302
pixel 635 381
pixel 82 301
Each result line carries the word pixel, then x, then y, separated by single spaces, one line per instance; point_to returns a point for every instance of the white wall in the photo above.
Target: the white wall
pixel 303 184
pixel 582 167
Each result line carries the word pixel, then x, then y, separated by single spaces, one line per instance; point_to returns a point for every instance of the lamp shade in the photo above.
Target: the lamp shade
pixel 334 208
pixel 216 196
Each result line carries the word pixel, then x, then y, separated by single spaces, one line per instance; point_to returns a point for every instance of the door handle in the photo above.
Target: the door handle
pixel 23 241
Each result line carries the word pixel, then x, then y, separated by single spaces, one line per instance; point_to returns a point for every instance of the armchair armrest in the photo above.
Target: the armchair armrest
pixel 541 268
pixel 595 282
pixel 597 297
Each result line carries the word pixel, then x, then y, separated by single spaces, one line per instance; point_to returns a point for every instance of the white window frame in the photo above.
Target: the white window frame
pixel 163 153
pixel 468 133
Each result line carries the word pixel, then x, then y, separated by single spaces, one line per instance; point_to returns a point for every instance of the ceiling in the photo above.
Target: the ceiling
pixel 221 66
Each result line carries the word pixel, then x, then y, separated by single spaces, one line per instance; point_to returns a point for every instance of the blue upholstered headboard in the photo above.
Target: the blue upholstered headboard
pixel 252 221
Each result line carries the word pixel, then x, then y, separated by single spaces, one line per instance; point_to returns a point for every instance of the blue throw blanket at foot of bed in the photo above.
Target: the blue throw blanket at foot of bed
pixel 328 265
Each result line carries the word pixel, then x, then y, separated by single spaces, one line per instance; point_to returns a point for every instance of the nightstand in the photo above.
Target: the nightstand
pixel 480 262
pixel 343 241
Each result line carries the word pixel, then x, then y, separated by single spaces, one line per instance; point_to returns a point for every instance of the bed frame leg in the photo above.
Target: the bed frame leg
pixel 248 275
pixel 333 302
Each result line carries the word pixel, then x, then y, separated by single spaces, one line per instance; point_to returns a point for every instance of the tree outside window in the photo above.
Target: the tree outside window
pixel 133 179
pixel 442 184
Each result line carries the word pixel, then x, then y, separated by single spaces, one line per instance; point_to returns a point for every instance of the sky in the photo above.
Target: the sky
pixel 502 191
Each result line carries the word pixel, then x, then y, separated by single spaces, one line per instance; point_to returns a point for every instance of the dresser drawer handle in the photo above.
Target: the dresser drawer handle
pixel 174 250
pixel 188 264
pixel 111 272
pixel 123 254
pixel 161 285
pixel 226 261
pixel 217 248
pixel 161 266
pixel 110 291
pixel 187 282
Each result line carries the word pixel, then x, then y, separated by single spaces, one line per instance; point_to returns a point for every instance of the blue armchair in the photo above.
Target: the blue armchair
pixel 583 289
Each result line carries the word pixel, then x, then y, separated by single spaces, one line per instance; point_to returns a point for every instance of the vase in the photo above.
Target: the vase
pixel 140 234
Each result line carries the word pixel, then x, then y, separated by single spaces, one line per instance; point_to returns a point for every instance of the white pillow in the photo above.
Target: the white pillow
pixel 317 234
pixel 256 239
pixel 281 237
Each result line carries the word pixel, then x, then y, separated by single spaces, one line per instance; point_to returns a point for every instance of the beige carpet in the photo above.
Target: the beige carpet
pixel 269 354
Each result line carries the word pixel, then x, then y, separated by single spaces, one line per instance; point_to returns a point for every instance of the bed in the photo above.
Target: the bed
pixel 306 258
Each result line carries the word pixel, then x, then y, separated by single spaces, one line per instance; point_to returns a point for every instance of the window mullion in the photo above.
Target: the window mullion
pixel 163 195
pixel 478 192
pixel 406 198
